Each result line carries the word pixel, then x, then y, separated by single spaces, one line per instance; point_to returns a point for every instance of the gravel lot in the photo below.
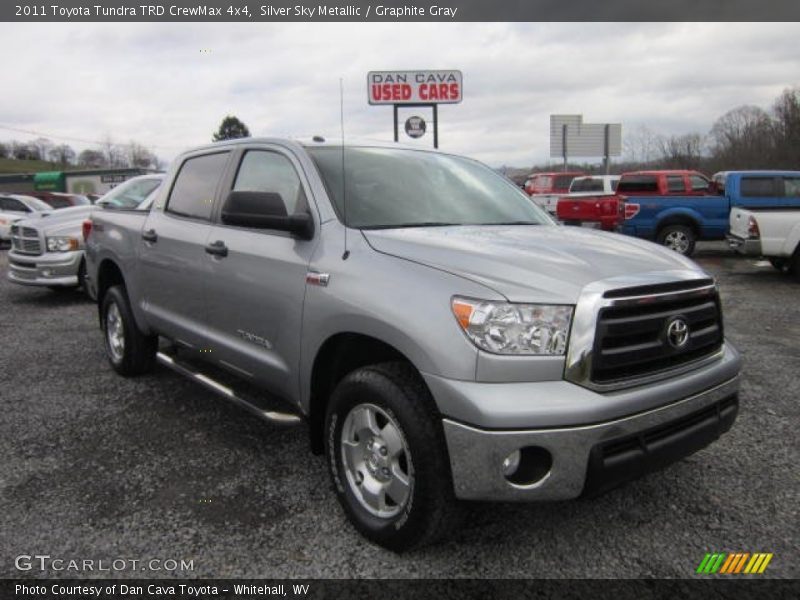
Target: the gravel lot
pixel 97 466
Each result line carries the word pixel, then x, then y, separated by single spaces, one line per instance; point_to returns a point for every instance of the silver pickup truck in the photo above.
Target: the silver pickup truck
pixel 47 248
pixel 442 337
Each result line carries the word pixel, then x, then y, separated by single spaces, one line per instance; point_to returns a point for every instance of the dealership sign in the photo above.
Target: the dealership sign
pixel 414 87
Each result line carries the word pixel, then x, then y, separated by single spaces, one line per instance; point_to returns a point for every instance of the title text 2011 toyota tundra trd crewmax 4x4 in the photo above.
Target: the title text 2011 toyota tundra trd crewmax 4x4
pixel 442 337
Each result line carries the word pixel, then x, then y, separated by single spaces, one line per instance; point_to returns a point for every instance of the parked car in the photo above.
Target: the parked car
pixel 15 207
pixel 547 187
pixel 679 221
pixel 442 337
pixel 49 251
pixel 773 234
pixel 59 200
pixel 591 201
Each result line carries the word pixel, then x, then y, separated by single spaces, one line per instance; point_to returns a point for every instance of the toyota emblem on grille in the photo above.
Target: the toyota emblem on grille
pixel 677 333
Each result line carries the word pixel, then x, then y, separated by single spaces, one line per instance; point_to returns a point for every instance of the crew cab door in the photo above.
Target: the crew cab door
pixel 172 259
pixel 255 291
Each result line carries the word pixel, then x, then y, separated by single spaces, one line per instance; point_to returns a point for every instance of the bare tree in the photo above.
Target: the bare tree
pixel 24 151
pixel 62 154
pixel 4 150
pixel 641 145
pixel 93 159
pixel 140 157
pixel 786 129
pixel 682 151
pixel 742 138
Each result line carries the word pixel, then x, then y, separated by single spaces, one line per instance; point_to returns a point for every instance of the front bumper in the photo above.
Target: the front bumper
pixel 589 458
pixel 746 246
pixel 49 269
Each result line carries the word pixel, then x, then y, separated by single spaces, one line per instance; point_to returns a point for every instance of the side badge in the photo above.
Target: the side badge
pixel 314 278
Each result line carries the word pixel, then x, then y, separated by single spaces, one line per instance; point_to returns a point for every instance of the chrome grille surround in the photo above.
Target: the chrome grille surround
pixel 667 290
pixel 26 240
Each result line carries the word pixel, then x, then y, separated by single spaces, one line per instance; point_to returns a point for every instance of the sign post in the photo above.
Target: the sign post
pixel 415 89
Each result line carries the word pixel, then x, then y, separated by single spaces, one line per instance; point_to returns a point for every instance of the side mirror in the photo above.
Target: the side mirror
pixel 265 210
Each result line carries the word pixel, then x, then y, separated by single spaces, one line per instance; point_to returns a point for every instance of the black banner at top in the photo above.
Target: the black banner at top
pixel 398 10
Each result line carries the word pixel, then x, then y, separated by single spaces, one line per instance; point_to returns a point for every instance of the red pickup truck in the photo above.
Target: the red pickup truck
pixel 608 212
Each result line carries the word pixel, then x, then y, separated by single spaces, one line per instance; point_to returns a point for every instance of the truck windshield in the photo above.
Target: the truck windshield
pixel 392 188
pixel 130 194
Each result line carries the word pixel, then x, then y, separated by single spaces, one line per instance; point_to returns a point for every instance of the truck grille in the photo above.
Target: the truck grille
pixel 25 240
pixel 655 331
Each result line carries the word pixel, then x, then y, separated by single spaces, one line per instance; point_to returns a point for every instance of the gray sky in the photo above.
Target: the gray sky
pixel 151 83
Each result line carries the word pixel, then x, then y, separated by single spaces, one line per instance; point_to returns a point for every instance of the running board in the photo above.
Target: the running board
pixel 226 392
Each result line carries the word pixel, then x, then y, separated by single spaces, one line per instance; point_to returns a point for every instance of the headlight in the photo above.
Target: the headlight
pixel 505 328
pixel 62 244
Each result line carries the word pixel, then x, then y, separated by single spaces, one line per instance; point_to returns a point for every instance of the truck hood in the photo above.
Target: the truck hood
pixel 537 263
pixel 63 220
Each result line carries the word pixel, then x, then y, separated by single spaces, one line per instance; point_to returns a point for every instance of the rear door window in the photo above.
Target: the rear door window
pixel 195 186
pixel 562 182
pixel 699 183
pixel 675 184
pixel 633 184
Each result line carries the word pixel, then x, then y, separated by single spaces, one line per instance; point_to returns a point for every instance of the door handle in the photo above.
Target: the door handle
pixel 150 235
pixel 217 248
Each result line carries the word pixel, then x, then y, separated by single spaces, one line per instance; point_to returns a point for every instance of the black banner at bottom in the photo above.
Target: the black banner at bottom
pixel 317 589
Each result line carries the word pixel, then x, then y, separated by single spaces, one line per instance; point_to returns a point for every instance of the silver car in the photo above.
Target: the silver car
pixel 15 207
pixel 47 249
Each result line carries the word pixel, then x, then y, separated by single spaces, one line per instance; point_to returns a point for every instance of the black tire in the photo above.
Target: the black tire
pixel 794 267
pixel 430 508
pixel 82 275
pixel 679 238
pixel 137 353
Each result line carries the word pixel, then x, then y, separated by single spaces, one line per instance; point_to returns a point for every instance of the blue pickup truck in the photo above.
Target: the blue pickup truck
pixel 679 221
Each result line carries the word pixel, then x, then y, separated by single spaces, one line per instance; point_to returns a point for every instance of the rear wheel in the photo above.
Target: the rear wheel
pixel 679 238
pixel 387 457
pixel 794 267
pixel 129 351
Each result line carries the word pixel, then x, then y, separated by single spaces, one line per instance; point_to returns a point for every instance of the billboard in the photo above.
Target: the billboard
pixel 583 139
pixel 414 87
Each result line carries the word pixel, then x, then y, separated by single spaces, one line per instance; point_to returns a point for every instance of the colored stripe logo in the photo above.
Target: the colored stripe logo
pixel 734 563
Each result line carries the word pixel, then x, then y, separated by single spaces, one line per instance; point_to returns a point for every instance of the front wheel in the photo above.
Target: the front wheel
pixel 129 351
pixel 679 238
pixel 387 457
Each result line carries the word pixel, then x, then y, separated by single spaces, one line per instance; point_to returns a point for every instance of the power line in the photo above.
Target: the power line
pixel 80 140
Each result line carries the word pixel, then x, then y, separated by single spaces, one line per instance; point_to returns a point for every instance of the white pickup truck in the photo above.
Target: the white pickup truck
pixel 773 234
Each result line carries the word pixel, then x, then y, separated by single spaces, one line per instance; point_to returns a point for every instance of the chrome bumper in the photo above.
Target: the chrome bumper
pixel 49 269
pixel 476 455
pixel 746 246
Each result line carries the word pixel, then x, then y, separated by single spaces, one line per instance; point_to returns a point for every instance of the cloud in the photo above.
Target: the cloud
pixel 168 85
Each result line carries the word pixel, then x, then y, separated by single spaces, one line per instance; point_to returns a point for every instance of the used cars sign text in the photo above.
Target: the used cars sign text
pixel 414 87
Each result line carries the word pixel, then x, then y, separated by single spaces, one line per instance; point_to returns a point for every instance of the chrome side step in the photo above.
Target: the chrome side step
pixel 226 392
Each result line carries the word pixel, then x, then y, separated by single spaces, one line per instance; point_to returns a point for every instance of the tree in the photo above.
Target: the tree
pixel 230 129
pixel 92 159
pixel 24 151
pixel 62 154
pixel 742 138
pixel 641 145
pixel 4 151
pixel 140 157
pixel 43 146
pixel 786 129
pixel 682 151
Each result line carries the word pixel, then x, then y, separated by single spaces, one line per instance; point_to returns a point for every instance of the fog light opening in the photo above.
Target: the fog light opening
pixel 511 464
pixel 527 466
